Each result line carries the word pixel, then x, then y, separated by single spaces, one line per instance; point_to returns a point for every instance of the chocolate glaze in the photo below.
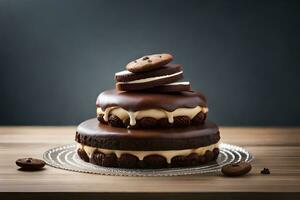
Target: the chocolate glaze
pixel 134 101
pixel 92 133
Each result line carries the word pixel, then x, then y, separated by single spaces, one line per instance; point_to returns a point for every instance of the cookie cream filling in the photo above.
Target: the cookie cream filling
pixel 155 113
pixel 144 80
pixel 168 154
pixel 179 83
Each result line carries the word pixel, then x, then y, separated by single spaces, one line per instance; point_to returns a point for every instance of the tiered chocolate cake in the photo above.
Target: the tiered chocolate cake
pixel 149 120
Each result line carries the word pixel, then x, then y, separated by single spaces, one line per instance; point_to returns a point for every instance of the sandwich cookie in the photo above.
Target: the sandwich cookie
pixel 175 147
pixel 151 110
pixel 128 81
pixel 149 62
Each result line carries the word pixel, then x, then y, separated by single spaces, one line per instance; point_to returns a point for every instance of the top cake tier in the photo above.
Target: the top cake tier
pixel 147 95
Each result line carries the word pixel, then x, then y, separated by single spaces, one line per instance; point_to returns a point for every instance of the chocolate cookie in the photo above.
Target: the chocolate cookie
pixel 93 134
pixel 127 81
pixel 30 164
pixel 236 169
pixel 172 87
pixel 149 62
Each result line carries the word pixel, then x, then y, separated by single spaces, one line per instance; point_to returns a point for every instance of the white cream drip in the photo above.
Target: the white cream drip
pixel 144 80
pixel 168 154
pixel 155 113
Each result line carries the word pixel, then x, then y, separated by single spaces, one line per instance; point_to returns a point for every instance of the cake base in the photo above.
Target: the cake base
pixel 108 146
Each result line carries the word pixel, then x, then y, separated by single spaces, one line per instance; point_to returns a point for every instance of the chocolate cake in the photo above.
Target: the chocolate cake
pixel 149 121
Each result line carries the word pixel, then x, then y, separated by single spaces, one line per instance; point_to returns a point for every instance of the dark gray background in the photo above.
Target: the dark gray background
pixel 56 56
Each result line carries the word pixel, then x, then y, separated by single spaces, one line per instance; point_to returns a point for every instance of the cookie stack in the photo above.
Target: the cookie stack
pixel 149 121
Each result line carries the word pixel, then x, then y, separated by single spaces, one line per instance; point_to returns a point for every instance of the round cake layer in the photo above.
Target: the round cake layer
pixel 189 105
pixel 149 120
pixel 92 133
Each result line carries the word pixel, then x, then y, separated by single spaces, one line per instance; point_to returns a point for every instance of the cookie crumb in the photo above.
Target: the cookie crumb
pixel 265 171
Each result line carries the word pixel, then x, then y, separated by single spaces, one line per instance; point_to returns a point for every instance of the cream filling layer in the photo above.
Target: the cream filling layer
pixel 168 154
pixel 155 113
pixel 144 80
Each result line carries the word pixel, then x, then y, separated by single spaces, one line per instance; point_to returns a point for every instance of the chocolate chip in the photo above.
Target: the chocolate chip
pixel 30 164
pixel 145 58
pixel 265 171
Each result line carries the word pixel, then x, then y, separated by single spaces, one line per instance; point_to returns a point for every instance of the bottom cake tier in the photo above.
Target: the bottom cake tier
pixel 108 146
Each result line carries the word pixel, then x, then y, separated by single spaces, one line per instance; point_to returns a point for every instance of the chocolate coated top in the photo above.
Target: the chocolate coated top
pixel 134 101
pixel 92 133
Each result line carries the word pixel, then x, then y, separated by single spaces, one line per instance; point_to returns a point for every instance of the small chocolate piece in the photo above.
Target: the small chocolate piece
pixel 236 169
pixel 265 171
pixel 115 121
pixel 83 155
pixel 30 164
pixel 142 64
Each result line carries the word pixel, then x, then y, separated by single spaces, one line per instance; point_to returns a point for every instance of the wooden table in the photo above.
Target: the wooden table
pixel 275 148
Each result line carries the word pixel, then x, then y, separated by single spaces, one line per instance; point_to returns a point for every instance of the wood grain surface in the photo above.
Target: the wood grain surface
pixel 275 148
